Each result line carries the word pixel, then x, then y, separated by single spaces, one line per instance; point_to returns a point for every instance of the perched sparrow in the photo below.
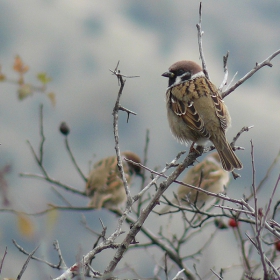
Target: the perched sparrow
pixel 105 186
pixel 196 112
pixel 208 175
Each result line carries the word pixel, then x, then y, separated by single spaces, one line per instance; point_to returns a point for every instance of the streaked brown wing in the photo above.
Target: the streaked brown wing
pixel 187 112
pixel 220 110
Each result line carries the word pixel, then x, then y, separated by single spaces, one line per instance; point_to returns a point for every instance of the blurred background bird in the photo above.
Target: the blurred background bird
pixel 208 175
pixel 105 187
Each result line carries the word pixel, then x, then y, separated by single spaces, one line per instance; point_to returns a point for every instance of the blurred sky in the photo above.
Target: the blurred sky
pixel 76 43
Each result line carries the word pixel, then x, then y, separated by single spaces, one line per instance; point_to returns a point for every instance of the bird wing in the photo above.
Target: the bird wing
pixel 220 109
pixel 186 110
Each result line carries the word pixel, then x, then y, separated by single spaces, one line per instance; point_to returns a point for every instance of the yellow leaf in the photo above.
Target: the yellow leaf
pixel 43 78
pixel 52 218
pixel 19 66
pixel 25 226
pixel 51 96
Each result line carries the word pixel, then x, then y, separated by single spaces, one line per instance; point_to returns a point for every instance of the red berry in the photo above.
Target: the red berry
pixel 233 223
pixel 277 245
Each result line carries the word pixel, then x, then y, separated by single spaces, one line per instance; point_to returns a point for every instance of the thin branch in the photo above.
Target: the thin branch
pixel 268 172
pixel 266 62
pixel 224 82
pixel 61 197
pixel 145 160
pixel 26 263
pixel 178 274
pixel 37 259
pixel 243 129
pixel 43 138
pixel 145 213
pixel 73 159
pixel 52 181
pixel 258 218
pixel 199 35
pixel 61 262
pixel 215 273
pixel 2 261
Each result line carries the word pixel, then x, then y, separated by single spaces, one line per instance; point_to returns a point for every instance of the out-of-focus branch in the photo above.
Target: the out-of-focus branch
pixel 39 160
pixel 52 181
pixel 73 159
pixel 2 261
pixel 60 265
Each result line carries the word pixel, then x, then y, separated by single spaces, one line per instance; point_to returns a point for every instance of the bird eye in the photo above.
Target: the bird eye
pixel 180 72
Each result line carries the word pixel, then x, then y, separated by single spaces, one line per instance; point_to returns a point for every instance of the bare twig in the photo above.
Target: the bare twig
pixel 199 35
pixel 73 159
pixel 116 135
pixel 57 266
pixel 178 274
pixel 53 181
pixel 61 260
pixel 215 273
pixel 224 82
pixel 145 213
pixel 61 197
pixel 243 129
pixel 266 62
pixel 268 172
pixel 259 225
pixel 145 160
pixel 43 138
pixel 39 160
pixel 26 263
pixel 2 261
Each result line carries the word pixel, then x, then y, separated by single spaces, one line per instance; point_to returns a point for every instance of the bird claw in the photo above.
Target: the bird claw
pixel 197 150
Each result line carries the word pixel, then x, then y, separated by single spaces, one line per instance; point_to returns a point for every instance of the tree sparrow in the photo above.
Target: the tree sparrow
pixel 196 112
pixel 105 186
pixel 208 175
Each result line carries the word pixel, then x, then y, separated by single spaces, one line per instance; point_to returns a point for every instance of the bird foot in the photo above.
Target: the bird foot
pixel 198 149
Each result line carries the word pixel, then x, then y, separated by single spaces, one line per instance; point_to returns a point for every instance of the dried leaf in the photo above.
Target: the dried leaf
pixel 24 91
pixel 43 78
pixel 19 65
pixel 51 96
pixel 25 226
pixel 2 77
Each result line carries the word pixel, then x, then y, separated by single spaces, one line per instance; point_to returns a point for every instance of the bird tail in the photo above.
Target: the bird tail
pixel 228 158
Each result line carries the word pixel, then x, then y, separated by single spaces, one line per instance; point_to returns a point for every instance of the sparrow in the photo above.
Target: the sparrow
pixel 196 112
pixel 104 185
pixel 208 175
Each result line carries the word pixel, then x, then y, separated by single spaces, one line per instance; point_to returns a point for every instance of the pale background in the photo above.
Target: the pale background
pixel 76 43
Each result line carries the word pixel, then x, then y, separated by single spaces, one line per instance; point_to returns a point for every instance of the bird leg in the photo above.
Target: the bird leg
pixel 198 149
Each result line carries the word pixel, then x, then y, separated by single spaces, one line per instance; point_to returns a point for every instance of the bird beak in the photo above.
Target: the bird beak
pixel 168 74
